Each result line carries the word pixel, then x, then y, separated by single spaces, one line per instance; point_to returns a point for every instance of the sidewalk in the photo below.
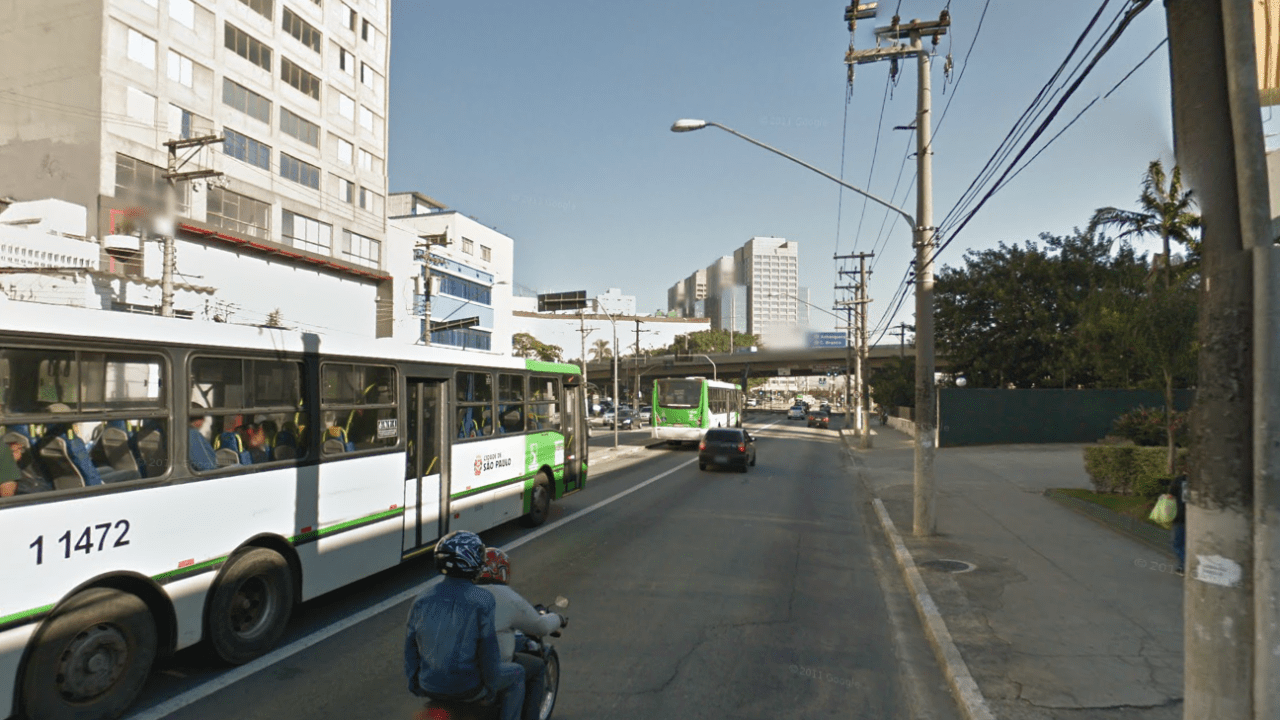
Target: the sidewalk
pixel 1062 617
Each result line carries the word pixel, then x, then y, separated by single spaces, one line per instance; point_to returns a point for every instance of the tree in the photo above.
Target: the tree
pixel 895 382
pixel 600 350
pixel 709 342
pixel 1166 212
pixel 1008 317
pixel 527 346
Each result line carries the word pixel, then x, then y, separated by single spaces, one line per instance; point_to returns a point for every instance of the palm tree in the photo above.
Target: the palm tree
pixel 1166 212
pixel 600 350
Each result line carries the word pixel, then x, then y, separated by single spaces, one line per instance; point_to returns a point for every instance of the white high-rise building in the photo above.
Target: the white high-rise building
pixel 296 91
pixel 770 269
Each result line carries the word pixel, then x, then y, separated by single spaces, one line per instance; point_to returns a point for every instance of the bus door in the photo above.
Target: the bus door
pixel 575 433
pixel 426 484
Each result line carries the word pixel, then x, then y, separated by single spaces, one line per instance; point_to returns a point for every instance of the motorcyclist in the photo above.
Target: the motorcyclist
pixel 514 613
pixel 451 650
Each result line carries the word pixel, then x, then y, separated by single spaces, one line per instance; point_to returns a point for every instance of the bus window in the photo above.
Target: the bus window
pixel 511 395
pixel 359 406
pixel 80 419
pixel 245 412
pixel 544 408
pixel 474 416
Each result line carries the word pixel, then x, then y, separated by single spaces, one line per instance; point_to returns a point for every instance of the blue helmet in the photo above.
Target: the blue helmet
pixel 460 554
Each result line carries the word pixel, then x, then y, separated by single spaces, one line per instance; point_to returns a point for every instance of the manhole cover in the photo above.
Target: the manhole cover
pixel 951 566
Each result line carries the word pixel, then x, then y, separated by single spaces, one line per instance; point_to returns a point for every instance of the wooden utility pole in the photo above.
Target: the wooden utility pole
pixel 1231 609
pixel 173 174
pixel 925 522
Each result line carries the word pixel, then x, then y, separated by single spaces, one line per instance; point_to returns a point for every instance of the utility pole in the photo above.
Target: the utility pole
pixel 864 277
pixel 925 522
pixel 856 317
pixel 173 175
pixel 901 332
pixel 1230 599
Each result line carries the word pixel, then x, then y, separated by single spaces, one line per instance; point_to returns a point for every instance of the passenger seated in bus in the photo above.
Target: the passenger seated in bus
pixel 269 431
pixel 199 450
pixel 28 479
pixel 64 456
pixel 255 444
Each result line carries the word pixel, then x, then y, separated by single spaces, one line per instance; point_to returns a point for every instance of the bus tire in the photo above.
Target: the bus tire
pixel 250 606
pixel 539 504
pixel 92 659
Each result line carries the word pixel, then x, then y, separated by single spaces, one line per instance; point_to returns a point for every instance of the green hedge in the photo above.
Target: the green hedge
pixel 1130 469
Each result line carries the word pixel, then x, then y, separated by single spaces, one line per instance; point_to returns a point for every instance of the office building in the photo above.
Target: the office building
pixel 755 290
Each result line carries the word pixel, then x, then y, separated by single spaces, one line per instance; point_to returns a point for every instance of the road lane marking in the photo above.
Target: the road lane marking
pixel 172 705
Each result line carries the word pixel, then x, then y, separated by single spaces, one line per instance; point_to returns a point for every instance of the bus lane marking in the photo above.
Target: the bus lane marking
pixel 172 705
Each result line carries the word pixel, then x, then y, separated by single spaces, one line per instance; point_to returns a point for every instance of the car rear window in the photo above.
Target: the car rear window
pixel 724 434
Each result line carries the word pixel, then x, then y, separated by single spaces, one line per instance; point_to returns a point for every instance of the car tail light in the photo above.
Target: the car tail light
pixel 742 447
pixel 702 445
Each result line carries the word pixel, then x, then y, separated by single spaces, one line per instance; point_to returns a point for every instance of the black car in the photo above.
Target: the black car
pixel 625 420
pixel 819 419
pixel 733 447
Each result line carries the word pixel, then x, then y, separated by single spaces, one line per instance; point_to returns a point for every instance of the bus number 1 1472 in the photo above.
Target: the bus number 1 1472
pixel 85 542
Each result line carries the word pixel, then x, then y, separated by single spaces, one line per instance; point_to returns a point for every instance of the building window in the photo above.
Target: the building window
pixel 361 250
pixel 368 77
pixel 370 200
pixel 366 31
pixel 246 101
pixel 345 149
pixel 305 130
pixel 468 247
pixel 465 289
pixel 242 147
pixel 301 30
pixel 300 172
pixel 486 254
pixel 301 80
pixel 366 118
pixel 262 7
pixel 346 107
pixel 143 185
pixel 466 338
pixel 142 49
pixel 180 68
pixel 343 188
pixel 140 106
pixel 181 122
pixel 238 214
pixel 246 46
pixel 366 160
pixel 346 61
pixel 348 17
pixel 305 233
pixel 183 11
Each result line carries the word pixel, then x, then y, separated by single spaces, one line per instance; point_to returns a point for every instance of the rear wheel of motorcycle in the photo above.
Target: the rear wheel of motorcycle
pixel 553 685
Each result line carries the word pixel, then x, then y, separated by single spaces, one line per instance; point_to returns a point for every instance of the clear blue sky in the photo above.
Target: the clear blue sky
pixel 550 121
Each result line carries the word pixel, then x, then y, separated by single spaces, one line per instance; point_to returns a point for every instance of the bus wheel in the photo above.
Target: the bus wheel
pixel 250 606
pixel 93 657
pixel 540 505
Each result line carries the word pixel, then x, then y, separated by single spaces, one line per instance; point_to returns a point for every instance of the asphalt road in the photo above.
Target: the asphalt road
pixel 699 595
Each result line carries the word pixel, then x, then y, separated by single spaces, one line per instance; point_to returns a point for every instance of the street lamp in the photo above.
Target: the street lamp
pixel 926 393
pixel 713 366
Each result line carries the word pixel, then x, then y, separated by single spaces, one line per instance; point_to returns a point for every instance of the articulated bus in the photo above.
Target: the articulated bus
pixel 685 408
pixel 166 482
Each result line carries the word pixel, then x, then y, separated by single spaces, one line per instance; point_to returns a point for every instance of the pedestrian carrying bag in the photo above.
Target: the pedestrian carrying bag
pixel 1165 511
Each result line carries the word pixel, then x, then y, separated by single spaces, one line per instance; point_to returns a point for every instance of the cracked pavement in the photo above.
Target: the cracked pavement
pixel 1058 620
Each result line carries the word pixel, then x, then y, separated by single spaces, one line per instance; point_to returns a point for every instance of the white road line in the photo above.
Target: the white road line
pixel 172 705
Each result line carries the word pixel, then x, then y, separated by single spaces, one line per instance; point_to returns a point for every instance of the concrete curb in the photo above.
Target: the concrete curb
pixel 963 687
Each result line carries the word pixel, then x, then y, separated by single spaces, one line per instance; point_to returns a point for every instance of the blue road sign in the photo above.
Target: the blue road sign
pixel 826 339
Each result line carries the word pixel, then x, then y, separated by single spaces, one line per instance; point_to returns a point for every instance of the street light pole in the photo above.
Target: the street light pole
pixel 713 366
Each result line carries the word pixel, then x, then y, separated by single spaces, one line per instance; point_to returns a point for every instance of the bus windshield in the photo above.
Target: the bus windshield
pixel 679 393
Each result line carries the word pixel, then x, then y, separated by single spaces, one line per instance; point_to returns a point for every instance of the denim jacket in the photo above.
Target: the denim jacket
pixel 451 647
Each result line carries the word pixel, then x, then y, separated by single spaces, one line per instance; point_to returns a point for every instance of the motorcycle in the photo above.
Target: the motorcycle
pixel 487 708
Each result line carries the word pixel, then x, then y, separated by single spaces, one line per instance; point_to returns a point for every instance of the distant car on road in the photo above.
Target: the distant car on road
pixel 646 414
pixel 820 419
pixel 626 420
pixel 796 412
pixel 731 447
pixel 752 402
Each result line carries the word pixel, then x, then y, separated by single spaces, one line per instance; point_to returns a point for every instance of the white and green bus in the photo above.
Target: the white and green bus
pixel 685 408
pixel 175 481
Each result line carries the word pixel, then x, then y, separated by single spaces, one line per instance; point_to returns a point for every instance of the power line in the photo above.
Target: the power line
pixel 960 75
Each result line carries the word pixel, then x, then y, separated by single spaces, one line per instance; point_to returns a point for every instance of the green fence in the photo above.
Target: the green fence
pixel 972 416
